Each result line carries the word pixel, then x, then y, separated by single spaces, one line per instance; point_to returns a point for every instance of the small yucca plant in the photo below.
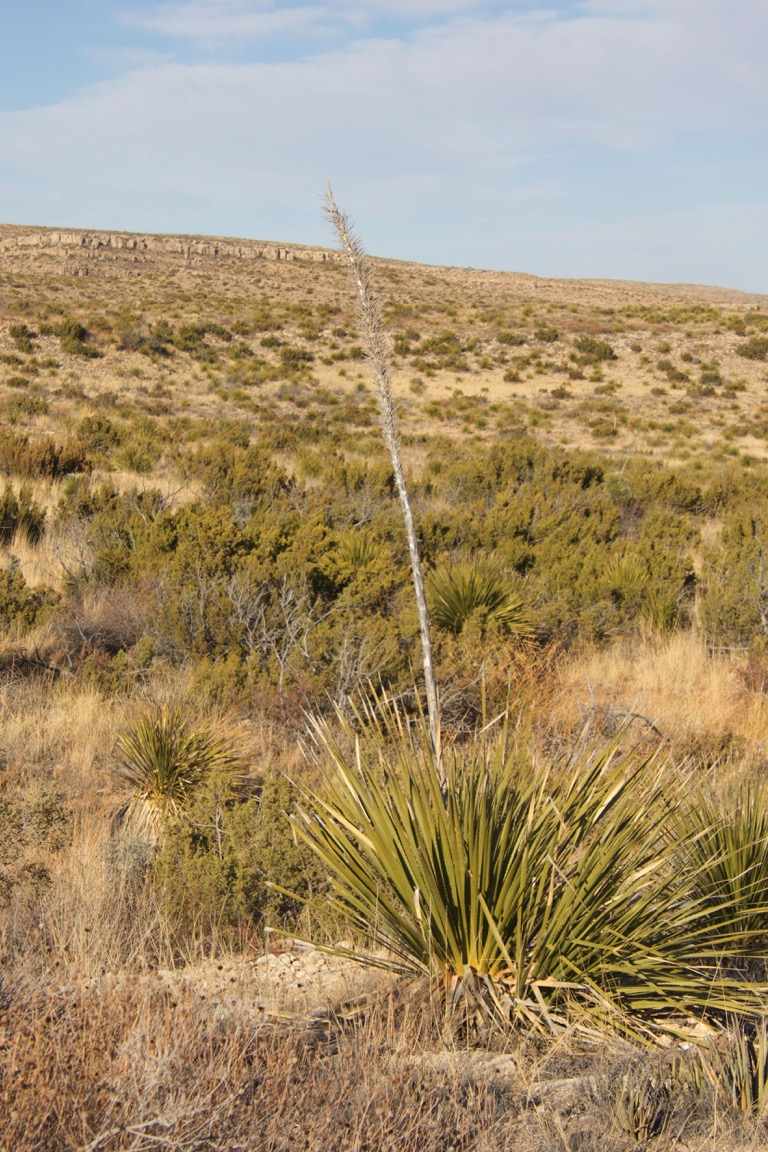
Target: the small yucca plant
pixel 358 550
pixel 162 757
pixel 463 588
pixel 739 1068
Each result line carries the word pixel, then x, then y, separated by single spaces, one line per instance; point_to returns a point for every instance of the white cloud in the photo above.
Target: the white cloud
pixel 467 94
pixel 213 21
pixel 453 120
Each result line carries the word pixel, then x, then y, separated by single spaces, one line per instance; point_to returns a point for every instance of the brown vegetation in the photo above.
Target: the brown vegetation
pixel 197 511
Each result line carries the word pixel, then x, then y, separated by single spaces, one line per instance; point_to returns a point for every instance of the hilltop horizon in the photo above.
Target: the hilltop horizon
pixel 300 246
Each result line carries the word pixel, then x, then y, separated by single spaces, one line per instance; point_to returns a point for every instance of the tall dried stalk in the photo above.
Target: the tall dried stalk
pixel 377 353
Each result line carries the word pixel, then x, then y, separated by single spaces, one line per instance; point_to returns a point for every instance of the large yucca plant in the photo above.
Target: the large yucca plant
pixel 533 890
pixel 462 588
pixel 162 756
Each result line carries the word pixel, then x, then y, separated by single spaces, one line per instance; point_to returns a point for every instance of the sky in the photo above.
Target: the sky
pixel 619 139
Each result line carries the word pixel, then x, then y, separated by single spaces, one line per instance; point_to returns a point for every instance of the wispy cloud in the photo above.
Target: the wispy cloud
pixel 466 117
pixel 215 21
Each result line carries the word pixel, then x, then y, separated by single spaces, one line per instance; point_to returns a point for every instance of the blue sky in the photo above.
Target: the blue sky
pixel 595 138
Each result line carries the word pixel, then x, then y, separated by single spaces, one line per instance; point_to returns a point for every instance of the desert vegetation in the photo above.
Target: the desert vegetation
pixel 213 745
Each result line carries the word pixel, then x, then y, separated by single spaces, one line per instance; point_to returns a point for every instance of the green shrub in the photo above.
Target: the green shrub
pixel 163 758
pixel 594 351
pixel 74 339
pixel 723 833
pixel 20 513
pixel 755 348
pixel 22 337
pixel 43 456
pixel 98 433
pixel 19 407
pixel 31 828
pixel 20 606
pixel 478 586
pixel 231 863
pixel 294 359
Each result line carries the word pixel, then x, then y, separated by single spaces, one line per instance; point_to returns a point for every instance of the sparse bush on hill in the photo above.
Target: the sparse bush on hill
pixel 755 348
pixel 592 350
pixel 20 513
pixel 30 458
pixel 32 829
pixel 75 339
pixel 22 337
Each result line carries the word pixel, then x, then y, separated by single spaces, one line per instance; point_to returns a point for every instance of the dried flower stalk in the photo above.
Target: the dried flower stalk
pixel 376 349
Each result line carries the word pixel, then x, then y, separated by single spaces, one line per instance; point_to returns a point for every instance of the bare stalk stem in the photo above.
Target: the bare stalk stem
pixel 377 353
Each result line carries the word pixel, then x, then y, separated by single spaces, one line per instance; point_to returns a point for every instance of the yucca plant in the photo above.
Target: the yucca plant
pixel 534 891
pixel 626 576
pixel 739 1069
pixel 462 588
pixel 641 1106
pixel 162 756
pixel 723 838
pixel 358 550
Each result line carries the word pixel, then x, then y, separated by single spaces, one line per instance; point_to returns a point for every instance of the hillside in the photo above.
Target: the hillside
pixel 678 371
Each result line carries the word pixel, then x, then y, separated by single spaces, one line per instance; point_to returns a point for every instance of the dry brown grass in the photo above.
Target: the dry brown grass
pixel 139 1063
pixel 99 1049
pixel 699 702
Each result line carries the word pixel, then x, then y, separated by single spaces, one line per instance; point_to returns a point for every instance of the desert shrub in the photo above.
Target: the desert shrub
pixel 733 605
pixel 152 343
pixel 232 862
pixel 592 350
pixel 97 433
pixel 293 359
pixel 723 833
pixel 21 607
pixel 22 337
pixel 710 376
pixel 442 352
pixel 237 474
pixel 74 339
pixel 528 892
pixel 403 342
pixel 547 335
pixel 43 456
pixel 164 756
pixel 19 407
pixel 755 348
pixel 103 619
pixel 555 519
pixel 190 338
pixel 32 827
pixel 139 454
pixel 477 587
pixel 20 513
